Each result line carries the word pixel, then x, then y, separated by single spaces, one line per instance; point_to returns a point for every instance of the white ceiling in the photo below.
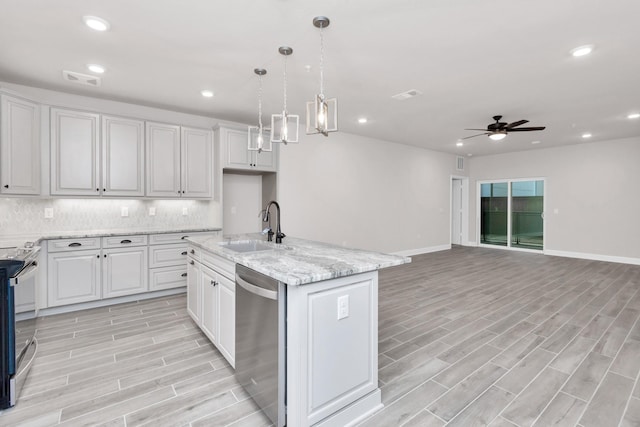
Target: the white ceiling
pixel 471 60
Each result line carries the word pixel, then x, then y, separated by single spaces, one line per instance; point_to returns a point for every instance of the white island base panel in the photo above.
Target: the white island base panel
pixel 332 359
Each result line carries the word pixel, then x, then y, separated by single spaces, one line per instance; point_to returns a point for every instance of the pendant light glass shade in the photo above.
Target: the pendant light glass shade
pixel 258 139
pixel 322 113
pixel 284 127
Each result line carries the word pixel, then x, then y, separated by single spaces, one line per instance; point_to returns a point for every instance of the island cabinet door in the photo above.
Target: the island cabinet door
pixel 124 271
pixel 193 291
pixel 210 285
pixel 227 319
pixel 332 350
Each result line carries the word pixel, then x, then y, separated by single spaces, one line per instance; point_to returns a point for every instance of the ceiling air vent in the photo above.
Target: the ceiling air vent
pixel 406 95
pixel 460 163
pixel 83 79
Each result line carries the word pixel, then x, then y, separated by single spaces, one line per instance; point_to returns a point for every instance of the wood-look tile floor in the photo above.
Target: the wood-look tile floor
pixel 468 337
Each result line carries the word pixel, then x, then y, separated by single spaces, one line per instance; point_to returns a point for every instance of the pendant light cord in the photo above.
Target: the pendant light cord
pixel 285 83
pixel 260 103
pixel 321 63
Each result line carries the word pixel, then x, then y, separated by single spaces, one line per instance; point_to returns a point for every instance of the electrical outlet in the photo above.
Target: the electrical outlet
pixel 343 307
pixel 124 211
pixel 48 213
pixel 185 211
pixel 152 211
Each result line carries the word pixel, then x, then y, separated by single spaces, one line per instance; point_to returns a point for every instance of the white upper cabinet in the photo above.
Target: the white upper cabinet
pixel 75 149
pixel 236 154
pixel 179 161
pixel 196 162
pixel 19 146
pixel 163 160
pixel 122 157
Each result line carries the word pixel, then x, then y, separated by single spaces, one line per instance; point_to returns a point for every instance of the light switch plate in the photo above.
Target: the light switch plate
pixel 124 211
pixel 185 211
pixel 48 213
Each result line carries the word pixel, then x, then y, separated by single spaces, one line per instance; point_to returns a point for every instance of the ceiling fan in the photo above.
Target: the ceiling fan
pixel 499 130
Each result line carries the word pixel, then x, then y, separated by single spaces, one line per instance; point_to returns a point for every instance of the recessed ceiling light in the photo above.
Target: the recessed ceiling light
pixel 95 68
pixel 535 142
pixel 634 116
pixel 586 135
pixel 362 120
pixel 459 144
pixel 96 23
pixel 582 50
pixel 207 93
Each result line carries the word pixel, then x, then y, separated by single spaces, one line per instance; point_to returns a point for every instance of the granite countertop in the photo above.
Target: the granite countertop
pixel 19 240
pixel 298 261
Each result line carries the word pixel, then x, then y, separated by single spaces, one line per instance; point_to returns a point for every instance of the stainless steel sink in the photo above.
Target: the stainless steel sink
pixel 244 246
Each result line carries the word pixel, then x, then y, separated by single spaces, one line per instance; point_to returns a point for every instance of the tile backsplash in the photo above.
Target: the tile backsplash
pixel 26 216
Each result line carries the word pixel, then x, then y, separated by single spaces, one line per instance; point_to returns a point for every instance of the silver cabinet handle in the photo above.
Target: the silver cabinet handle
pixel 184 253
pixel 183 275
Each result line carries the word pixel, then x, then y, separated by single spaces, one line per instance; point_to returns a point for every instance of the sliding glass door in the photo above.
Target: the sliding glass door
pixel 512 214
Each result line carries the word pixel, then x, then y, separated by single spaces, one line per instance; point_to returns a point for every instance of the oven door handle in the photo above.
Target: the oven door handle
pixel 25 273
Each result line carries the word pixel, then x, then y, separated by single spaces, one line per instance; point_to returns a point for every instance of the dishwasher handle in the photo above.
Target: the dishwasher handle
pixel 266 293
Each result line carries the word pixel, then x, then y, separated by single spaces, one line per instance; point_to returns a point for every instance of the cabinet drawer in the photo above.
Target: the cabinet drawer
pixel 124 241
pixel 167 255
pixel 167 238
pixel 167 278
pixel 194 253
pixel 66 245
pixel 221 265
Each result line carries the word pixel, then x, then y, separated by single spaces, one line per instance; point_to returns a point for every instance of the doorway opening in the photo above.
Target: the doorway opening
pixel 459 221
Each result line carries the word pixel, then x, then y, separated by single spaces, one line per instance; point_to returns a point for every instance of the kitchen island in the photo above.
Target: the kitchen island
pixel 331 324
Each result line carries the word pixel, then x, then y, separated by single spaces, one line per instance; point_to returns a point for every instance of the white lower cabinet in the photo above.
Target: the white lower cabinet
pixel 124 271
pixel 74 277
pixel 211 300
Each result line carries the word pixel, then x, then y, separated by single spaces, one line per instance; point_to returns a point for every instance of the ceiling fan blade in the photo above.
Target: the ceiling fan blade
pixel 477 129
pixel 473 136
pixel 527 129
pixel 518 123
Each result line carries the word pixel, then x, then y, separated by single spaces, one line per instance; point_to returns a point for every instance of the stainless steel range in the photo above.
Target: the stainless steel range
pixel 18 313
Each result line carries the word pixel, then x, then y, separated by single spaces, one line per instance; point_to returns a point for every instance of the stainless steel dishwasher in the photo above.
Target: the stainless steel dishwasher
pixel 261 341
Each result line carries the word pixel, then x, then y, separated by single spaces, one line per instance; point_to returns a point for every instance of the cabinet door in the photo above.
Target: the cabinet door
pixel 122 157
pixel 124 271
pixel 73 277
pixel 227 319
pixel 19 146
pixel 237 154
pixel 196 162
pixel 267 160
pixel 210 303
pixel 194 298
pixel 163 160
pixel 74 153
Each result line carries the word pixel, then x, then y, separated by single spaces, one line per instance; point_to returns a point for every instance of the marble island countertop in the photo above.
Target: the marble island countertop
pixel 297 261
pixel 19 240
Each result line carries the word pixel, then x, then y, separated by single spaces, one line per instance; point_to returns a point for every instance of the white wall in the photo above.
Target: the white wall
pixel 594 188
pixel 366 193
pixel 242 196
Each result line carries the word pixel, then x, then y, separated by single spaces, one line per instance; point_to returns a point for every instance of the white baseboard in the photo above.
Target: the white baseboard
pixel 470 243
pixel 109 301
pixel 594 257
pixel 419 251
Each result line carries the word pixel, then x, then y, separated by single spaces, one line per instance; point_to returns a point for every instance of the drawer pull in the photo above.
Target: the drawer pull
pixel 183 275
pixel 192 251
pixel 183 237
pixel 192 262
pixel 125 241
pixel 184 253
pixel 74 244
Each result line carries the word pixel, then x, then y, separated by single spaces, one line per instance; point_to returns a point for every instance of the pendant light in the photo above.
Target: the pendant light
pixel 284 127
pixel 322 113
pixel 257 141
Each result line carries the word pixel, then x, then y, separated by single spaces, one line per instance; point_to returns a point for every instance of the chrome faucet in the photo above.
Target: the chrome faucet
pixel 265 217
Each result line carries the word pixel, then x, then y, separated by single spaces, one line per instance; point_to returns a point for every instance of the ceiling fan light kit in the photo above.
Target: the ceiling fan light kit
pixel 499 130
pixel 322 113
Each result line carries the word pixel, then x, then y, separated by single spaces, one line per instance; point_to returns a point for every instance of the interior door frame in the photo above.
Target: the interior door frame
pixel 464 227
pixel 509 181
